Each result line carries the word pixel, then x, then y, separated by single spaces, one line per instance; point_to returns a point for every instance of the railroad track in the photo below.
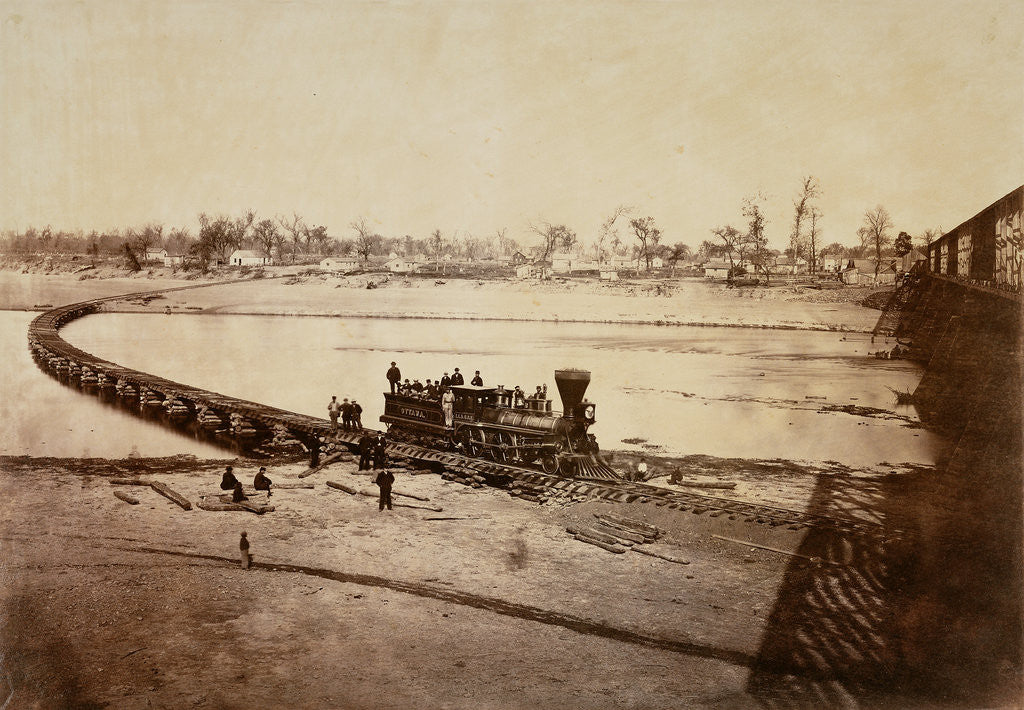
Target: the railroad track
pixel 58 357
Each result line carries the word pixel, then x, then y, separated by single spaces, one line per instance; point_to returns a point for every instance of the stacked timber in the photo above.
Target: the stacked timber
pixel 123 388
pixel 148 398
pixel 88 376
pixel 283 438
pixel 208 419
pixel 465 476
pixel 533 492
pixel 104 380
pixel 176 409
pixel 649 533
pixel 242 427
pixel 74 369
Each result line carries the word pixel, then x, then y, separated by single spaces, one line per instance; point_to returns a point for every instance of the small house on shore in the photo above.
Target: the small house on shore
pixel 401 265
pixel 248 257
pixel 174 259
pixel 340 263
pixel 156 254
pixel 716 269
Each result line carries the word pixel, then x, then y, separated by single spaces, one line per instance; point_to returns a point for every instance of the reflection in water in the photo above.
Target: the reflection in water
pixel 41 417
pixel 642 376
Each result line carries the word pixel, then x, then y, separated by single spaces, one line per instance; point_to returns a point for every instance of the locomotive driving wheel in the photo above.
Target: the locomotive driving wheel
pixel 474 443
pixel 549 463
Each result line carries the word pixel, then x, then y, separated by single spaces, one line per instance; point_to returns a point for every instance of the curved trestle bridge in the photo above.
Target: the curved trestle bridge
pixel 253 424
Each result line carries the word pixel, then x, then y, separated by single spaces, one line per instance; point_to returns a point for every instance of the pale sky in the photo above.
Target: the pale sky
pixel 474 116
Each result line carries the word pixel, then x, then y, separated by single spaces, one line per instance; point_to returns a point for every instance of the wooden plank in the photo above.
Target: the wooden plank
pixel 286 486
pixel 130 482
pixel 631 537
pixel 126 498
pixel 644 537
pixel 324 463
pixel 219 506
pixel 703 484
pixel 432 508
pixel 171 495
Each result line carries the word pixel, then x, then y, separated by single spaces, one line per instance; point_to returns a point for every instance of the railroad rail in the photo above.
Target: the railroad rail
pixel 253 421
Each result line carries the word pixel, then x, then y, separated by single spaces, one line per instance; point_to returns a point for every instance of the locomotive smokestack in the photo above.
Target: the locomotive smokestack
pixel 572 385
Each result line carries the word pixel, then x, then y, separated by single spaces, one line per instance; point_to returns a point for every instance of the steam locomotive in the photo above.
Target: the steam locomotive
pixel 487 424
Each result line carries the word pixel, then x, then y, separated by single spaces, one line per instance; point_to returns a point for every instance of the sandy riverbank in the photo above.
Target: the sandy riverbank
pixel 112 605
pixel 295 292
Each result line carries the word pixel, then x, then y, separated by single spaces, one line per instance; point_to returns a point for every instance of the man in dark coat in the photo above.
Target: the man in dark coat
pixel 228 482
pixel 346 414
pixel 365 452
pixel 446 381
pixel 261 482
pixel 357 416
pixel 477 380
pixel 384 480
pixel 457 378
pixel 237 494
pixel 380 452
pixel 394 377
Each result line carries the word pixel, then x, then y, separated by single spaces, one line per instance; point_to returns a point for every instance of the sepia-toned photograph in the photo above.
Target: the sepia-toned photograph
pixel 511 354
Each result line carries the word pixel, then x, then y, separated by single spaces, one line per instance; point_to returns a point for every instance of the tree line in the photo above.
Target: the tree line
pixel 624 233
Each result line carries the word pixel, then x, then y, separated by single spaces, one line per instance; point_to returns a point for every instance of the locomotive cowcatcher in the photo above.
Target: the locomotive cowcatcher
pixel 486 424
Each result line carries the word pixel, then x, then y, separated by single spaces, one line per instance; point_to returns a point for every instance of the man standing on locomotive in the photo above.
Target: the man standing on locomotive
pixel 477 380
pixel 448 406
pixel 394 377
pixel 457 378
pixel 445 381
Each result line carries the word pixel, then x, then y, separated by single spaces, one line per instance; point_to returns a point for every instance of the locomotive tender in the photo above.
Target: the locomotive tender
pixel 487 425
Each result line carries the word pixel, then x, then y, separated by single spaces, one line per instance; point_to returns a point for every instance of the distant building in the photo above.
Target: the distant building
pixel 174 259
pixel 519 258
pixel 401 265
pixel 609 275
pixel 716 269
pixel 830 264
pixel 641 263
pixel 862 271
pixel 155 254
pixel 248 257
pixel 789 265
pixel 340 263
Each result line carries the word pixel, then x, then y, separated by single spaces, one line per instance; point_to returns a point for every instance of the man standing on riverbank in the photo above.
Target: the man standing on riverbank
pixel 334 409
pixel 384 480
pixel 394 377
pixel 365 452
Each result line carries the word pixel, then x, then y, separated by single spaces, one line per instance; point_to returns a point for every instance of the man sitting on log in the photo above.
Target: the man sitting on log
pixel 261 482
pixel 228 482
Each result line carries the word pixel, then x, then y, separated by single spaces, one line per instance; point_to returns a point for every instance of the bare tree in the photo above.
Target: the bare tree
pixel 608 233
pixel 930 235
pixel 874 233
pixel 366 241
pixel 554 235
pixel 648 235
pixel 809 190
pixel 267 236
pixel 294 228
pixel 755 241
pixel 316 239
pixel 813 235
pixel 730 238
pixel 678 252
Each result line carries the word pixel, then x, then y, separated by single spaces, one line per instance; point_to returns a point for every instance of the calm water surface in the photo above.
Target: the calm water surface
pixel 719 391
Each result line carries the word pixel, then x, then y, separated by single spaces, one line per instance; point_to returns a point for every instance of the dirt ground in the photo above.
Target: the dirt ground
pixel 106 604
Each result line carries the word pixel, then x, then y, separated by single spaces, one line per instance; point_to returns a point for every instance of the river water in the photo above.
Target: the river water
pixel 720 391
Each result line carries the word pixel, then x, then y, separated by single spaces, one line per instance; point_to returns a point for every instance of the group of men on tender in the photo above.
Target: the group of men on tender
pixel 351 414
pixel 432 389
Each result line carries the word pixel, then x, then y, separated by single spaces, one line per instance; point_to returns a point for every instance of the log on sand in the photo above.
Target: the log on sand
pixel 324 463
pixel 633 538
pixel 614 521
pixel 816 560
pixel 130 482
pixel 432 508
pixel 651 553
pixel 704 484
pixel 597 535
pixel 218 506
pixel 126 498
pixel 342 487
pixel 617 549
pixel 285 486
pixel 171 495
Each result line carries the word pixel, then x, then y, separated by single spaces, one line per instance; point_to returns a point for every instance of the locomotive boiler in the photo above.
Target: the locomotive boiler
pixel 488 423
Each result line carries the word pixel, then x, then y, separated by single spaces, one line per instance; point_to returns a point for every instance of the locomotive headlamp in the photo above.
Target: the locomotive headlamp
pixel 589 411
